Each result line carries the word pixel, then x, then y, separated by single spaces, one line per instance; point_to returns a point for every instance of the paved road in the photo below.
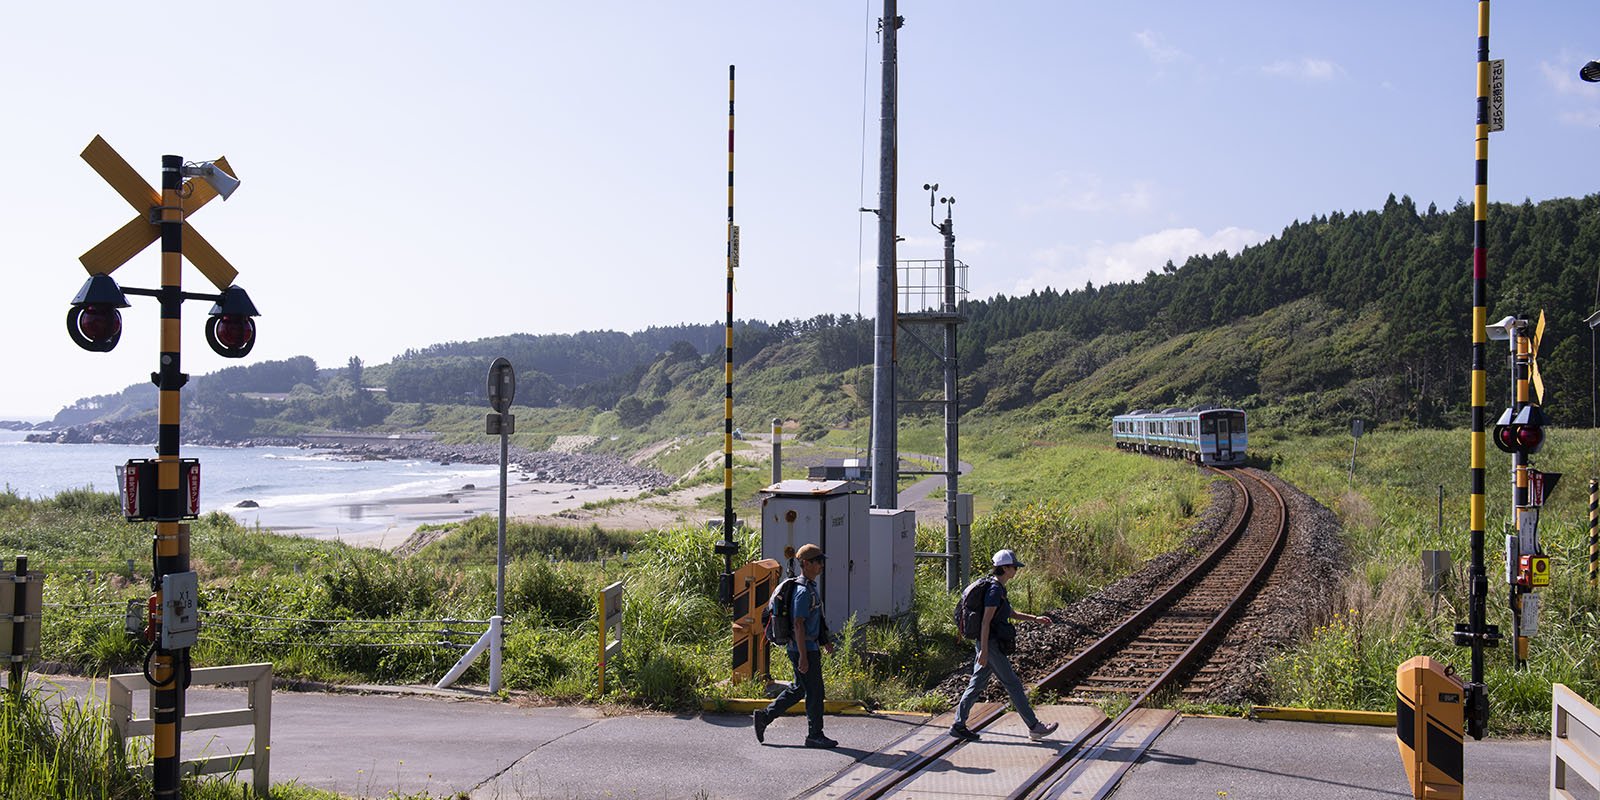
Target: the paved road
pixel 366 745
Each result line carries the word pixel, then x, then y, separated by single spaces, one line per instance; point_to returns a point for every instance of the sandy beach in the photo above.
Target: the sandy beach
pixel 386 524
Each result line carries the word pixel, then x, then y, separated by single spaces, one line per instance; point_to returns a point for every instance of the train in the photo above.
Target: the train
pixel 1205 434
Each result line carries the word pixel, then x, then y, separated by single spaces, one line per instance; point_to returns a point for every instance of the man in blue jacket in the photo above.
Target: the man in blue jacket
pixel 803 654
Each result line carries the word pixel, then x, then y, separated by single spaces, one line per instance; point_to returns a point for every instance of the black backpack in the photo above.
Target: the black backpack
pixel 777 616
pixel 969 609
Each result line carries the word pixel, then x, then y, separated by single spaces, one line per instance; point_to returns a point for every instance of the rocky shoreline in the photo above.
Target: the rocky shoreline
pixel 553 467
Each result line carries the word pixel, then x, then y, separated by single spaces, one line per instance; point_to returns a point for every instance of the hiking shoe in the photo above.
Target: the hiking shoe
pixel 1043 729
pixel 761 725
pixel 964 733
pixel 820 741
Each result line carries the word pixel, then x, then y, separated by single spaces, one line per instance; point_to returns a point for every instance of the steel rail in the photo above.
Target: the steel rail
pixel 1053 770
pixel 916 761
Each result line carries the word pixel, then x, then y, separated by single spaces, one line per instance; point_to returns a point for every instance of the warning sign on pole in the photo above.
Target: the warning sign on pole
pixel 1497 95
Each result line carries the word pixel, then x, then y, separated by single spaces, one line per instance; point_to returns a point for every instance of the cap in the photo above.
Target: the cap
pixel 1006 557
pixel 811 552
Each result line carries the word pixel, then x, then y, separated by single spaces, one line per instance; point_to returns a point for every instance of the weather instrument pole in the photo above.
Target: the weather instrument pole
pixel 885 448
pixel 727 547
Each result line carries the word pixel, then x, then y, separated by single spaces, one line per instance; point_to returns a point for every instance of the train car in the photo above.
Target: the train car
pixel 1204 434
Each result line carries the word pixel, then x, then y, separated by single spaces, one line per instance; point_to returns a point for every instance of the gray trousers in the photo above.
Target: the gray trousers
pixel 1000 667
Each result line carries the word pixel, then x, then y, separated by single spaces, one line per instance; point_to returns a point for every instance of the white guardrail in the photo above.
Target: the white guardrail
pixel 1574 743
pixel 258 714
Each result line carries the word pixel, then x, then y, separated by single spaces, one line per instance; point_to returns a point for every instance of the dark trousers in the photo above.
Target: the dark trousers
pixel 807 686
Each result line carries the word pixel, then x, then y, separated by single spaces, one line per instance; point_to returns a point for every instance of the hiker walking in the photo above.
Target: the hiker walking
pixel 997 638
pixel 809 633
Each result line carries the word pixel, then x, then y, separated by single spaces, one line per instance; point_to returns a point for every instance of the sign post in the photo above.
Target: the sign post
pixel 610 615
pixel 1356 427
pixel 19 609
pixel 501 388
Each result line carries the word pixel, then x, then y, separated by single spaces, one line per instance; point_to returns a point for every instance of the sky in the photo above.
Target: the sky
pixel 414 173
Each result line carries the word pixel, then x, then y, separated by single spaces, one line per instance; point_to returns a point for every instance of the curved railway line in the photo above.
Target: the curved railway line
pixel 1148 655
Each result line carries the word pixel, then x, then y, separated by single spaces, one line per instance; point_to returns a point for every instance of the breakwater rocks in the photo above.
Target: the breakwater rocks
pixel 541 465
pixel 141 431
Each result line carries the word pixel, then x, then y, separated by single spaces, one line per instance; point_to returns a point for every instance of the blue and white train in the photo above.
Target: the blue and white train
pixel 1204 434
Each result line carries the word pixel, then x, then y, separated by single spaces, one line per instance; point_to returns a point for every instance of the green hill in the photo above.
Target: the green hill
pixel 1362 314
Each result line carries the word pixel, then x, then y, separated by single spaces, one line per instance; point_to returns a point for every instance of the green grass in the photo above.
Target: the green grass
pixel 1390 513
pixel 1064 499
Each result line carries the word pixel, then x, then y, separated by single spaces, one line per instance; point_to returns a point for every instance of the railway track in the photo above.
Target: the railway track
pixel 1147 655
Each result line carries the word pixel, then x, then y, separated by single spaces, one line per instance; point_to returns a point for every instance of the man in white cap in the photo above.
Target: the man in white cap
pixel 996 638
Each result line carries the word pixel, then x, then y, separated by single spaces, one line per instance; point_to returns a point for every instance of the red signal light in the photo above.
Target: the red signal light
pixel 96 327
pixel 234 331
pixel 231 335
pixel 1527 437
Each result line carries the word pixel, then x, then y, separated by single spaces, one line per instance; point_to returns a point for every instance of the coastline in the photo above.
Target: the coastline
pixel 544 486
pixel 386 524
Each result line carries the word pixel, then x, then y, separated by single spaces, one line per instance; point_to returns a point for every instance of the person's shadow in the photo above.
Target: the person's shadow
pixel 855 753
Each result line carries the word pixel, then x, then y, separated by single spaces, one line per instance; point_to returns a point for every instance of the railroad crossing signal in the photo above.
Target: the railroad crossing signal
pixel 139 232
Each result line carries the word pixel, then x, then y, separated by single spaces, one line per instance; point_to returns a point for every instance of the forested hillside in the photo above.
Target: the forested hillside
pixel 1363 314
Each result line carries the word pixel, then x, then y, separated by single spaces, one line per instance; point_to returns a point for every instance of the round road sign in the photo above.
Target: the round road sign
pixel 502 385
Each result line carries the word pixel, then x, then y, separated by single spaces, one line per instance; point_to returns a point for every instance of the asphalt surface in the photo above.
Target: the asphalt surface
pixel 1202 757
pixel 369 745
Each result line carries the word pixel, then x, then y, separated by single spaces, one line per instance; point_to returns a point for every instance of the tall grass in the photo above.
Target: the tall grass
pixel 61 747
pixel 676 642
pixel 1390 514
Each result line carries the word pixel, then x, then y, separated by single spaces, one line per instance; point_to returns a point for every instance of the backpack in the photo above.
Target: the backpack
pixel 777 616
pixel 969 609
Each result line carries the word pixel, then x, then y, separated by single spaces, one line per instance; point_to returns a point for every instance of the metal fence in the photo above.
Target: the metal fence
pixel 261 630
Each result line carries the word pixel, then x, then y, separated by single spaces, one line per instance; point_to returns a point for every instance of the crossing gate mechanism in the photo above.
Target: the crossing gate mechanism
pixel 1428 726
pixel 753 585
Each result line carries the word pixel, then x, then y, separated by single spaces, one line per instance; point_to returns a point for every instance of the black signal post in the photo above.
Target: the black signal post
pixel 94 323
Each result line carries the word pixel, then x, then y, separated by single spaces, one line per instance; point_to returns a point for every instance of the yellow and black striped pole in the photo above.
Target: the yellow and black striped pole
pixel 172 536
pixel 727 547
pixel 1594 536
pixel 1477 635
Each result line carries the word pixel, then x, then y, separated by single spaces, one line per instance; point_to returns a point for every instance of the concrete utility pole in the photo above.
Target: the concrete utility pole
pixel 885 447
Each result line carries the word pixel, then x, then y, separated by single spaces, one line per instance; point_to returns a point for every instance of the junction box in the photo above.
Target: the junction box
pixel 871 552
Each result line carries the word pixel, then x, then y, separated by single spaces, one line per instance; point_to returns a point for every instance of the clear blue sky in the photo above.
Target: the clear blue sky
pixel 424 172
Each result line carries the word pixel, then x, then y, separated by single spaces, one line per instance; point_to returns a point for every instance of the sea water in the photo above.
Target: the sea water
pixel 294 489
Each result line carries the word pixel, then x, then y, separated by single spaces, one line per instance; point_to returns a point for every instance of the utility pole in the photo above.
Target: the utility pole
pixel 955 566
pixel 1477 634
pixel 885 447
pixel 727 547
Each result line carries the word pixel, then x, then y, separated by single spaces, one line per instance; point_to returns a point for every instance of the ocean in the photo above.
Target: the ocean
pixel 294 488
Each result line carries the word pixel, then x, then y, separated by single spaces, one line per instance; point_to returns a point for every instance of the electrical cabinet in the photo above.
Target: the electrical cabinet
pixel 871 552
pixel 893 534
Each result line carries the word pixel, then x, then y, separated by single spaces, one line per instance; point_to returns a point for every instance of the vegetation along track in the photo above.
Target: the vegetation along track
pixel 1149 653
